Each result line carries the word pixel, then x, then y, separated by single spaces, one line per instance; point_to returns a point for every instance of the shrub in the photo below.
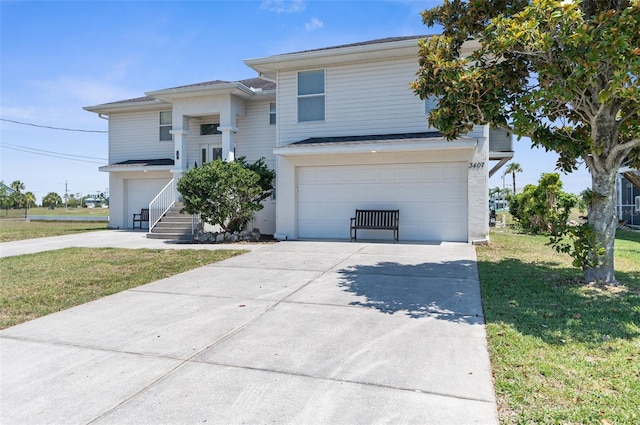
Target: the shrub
pixel 227 193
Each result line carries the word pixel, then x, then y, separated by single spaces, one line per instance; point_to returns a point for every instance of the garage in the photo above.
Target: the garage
pixel 139 192
pixel 431 197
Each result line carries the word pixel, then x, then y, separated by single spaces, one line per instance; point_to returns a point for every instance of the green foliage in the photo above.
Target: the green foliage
pixel 580 242
pixel 544 208
pixel 564 73
pixel 52 200
pixel 226 193
pixel 5 200
pixel 30 200
pixel 17 200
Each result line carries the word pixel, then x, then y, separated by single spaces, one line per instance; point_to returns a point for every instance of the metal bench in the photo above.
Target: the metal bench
pixel 375 220
pixel 140 218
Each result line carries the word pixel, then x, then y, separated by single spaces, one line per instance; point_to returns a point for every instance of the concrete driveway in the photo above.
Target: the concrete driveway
pixel 290 333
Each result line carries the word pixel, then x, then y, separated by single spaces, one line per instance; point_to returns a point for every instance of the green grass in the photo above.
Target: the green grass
pixel 562 352
pixel 38 284
pixel 19 213
pixel 16 230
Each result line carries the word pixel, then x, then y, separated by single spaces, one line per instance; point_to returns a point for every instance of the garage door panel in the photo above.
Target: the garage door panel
pixel 139 193
pixel 432 199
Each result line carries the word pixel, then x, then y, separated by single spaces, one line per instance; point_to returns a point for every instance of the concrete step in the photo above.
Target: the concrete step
pixel 170 236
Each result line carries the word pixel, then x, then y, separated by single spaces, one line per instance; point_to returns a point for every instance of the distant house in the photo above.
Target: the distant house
pixel 7 188
pixel 340 126
pixel 628 195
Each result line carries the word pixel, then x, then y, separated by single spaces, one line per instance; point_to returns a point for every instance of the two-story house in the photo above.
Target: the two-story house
pixel 339 125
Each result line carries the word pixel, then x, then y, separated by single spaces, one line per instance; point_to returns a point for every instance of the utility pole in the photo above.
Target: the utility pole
pixel 66 195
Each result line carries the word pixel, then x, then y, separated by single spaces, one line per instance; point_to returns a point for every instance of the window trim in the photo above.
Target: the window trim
pixel 273 113
pixel 207 150
pixel 312 95
pixel 162 125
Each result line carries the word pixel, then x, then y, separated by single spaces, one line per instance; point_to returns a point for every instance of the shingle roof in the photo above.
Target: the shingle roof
pixel 134 100
pixel 362 43
pixel 256 83
pixel 368 139
pixel 146 162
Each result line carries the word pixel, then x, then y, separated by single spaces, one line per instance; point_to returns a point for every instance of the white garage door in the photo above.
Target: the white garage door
pixel 139 193
pixel 432 199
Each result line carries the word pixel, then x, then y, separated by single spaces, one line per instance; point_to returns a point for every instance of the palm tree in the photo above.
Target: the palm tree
pixel 512 169
pixel 30 198
pixel 17 185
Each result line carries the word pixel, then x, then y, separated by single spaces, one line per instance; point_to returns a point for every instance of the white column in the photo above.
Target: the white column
pixel 179 155
pixel 228 145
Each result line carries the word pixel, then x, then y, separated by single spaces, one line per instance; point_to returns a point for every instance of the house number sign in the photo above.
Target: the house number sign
pixel 476 165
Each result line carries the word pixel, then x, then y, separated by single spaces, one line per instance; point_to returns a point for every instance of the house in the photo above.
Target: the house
pixel 339 125
pixel 628 196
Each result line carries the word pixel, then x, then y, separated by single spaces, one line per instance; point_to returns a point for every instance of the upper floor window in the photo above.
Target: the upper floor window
pixel 430 103
pixel 272 113
pixel 206 129
pixel 311 95
pixel 165 125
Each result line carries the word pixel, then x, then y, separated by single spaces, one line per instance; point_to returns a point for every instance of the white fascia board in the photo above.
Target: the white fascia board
pixel 267 67
pixel 134 168
pixel 128 106
pixel 237 89
pixel 355 148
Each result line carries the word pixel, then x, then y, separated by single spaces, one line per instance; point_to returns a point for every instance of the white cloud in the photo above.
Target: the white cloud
pixel 314 24
pixel 283 6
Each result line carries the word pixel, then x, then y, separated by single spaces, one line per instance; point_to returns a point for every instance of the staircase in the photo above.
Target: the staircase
pixel 173 225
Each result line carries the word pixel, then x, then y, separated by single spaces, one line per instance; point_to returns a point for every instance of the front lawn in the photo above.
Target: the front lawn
pixel 16 230
pixel 38 284
pixel 562 352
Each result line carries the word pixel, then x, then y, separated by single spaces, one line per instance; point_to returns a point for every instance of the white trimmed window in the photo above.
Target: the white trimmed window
pixel 311 95
pixel 272 113
pixel 207 129
pixel 430 103
pixel 165 125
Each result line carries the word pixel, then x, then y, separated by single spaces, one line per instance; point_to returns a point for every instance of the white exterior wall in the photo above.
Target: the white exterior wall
pixel 136 135
pixel 118 208
pixel 360 99
pixel 254 140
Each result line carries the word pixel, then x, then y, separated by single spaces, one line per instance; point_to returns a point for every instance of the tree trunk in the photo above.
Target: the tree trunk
pixel 602 216
pixel 514 183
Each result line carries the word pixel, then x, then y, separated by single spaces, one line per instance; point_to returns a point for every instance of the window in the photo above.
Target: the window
pixel 430 103
pixel 311 95
pixel 272 113
pixel 165 125
pixel 206 129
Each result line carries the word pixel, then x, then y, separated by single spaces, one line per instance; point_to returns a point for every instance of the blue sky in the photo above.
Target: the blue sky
pixel 57 57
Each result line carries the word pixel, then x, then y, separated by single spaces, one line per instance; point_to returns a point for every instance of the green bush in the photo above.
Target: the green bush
pixel 227 193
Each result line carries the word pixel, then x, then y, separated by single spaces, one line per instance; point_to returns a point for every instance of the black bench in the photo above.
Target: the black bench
pixel 140 218
pixel 376 220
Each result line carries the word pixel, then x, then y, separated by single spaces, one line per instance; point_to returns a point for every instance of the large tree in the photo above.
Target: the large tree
pixel 564 74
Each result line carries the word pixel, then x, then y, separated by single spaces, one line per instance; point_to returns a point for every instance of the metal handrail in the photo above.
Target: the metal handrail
pixel 161 203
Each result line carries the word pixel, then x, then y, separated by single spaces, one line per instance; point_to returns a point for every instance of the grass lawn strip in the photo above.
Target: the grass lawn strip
pixel 38 284
pixel 16 230
pixel 562 352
